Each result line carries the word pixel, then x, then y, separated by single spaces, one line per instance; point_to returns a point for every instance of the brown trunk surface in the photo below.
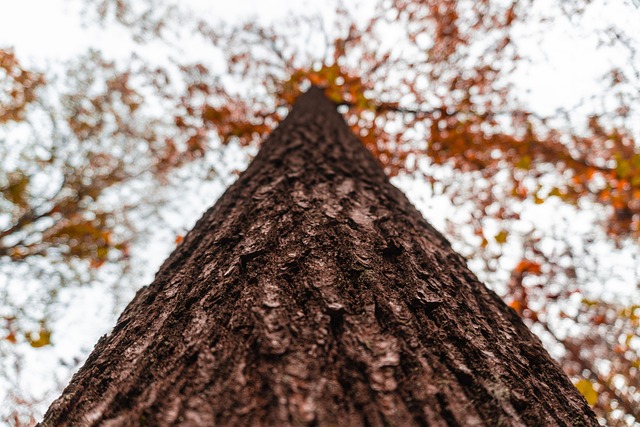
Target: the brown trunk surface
pixel 314 293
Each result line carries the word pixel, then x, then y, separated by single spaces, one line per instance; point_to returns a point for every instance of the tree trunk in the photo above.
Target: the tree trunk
pixel 314 293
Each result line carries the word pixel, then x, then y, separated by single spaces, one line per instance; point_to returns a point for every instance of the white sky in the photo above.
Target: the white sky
pixel 567 65
pixel 50 30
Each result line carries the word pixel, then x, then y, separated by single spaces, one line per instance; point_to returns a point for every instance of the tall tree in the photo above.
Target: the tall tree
pixel 314 293
pixel 432 87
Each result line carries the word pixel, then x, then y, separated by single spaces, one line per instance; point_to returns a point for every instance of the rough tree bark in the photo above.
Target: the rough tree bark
pixel 314 293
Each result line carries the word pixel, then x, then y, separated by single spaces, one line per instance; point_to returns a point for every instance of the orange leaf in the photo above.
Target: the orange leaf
pixel 526 266
pixel 96 263
pixel 11 337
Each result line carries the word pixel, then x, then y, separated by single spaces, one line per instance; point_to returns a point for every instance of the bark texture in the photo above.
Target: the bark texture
pixel 313 293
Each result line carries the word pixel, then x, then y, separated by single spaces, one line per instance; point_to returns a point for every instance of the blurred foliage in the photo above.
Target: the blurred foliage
pixel 428 87
pixel 18 87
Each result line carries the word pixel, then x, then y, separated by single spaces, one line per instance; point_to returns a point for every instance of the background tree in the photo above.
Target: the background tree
pixel 433 89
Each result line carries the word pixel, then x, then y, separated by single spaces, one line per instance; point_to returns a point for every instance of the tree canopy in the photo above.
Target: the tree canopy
pixel 435 89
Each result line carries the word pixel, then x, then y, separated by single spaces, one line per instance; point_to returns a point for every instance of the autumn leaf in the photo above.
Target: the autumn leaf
pixel 40 339
pixel 516 305
pixel 96 263
pixel 11 337
pixel 501 237
pixel 585 387
pixel 555 191
pixel 16 191
pixel 18 87
pixel 524 162
pixel 623 168
pixel 526 266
